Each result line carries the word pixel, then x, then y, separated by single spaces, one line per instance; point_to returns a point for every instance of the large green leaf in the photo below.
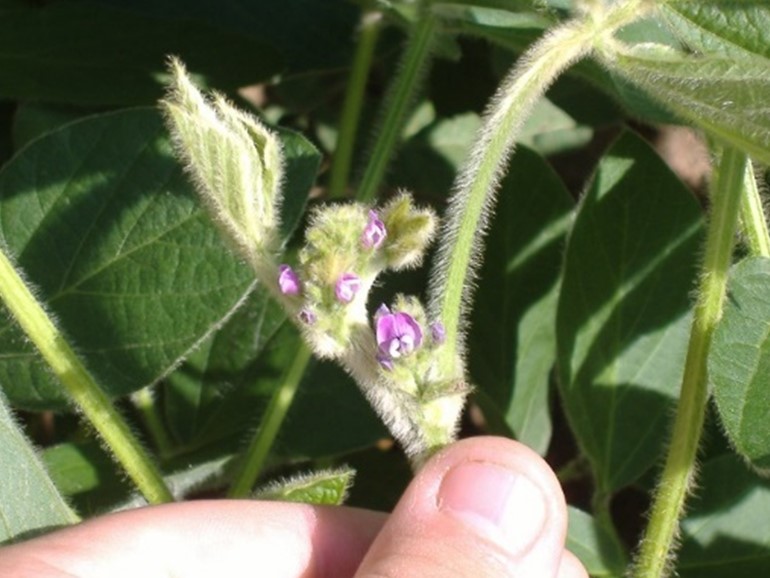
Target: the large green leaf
pixel 737 28
pixel 102 221
pixel 727 530
pixel 622 323
pixel 512 340
pixel 309 35
pixel 29 501
pixel 92 53
pixel 596 548
pixel 739 362
pixel 725 95
pixel 216 400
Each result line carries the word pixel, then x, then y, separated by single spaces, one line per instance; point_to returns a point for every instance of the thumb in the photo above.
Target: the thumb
pixel 483 507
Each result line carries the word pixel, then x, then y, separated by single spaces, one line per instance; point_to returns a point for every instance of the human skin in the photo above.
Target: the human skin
pixel 483 507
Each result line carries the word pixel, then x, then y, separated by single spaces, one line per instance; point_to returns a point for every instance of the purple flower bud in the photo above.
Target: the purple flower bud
pixel 437 332
pixel 385 361
pixel 307 316
pixel 374 234
pixel 347 286
pixel 288 280
pixel 398 334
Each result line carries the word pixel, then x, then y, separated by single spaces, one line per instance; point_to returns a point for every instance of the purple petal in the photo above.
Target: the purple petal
pixel 397 334
pixel 385 361
pixel 307 316
pixel 374 233
pixel 288 281
pixel 437 332
pixel 346 287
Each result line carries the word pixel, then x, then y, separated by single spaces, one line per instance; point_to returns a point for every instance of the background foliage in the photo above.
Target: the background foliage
pixel 580 324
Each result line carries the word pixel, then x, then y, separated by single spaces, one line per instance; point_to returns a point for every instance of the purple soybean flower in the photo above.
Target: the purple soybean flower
pixel 374 234
pixel 346 287
pixel 398 334
pixel 288 281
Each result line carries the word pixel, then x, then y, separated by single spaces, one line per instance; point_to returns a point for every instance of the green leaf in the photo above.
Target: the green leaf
pixel 86 475
pixel 33 120
pixel 309 35
pixel 328 488
pixel 550 130
pixel 725 96
pixel 512 340
pixel 29 501
pixel 599 552
pixel 623 320
pixel 517 39
pixel 94 54
pixel 739 362
pixel 216 401
pixel 120 250
pixel 429 160
pixel 226 364
pixel 103 222
pixel 737 28
pixel 727 530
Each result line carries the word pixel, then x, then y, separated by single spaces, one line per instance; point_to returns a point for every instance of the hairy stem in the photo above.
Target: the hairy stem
pixel 657 546
pixel 80 384
pixel 397 103
pixel 256 454
pixel 475 187
pixel 144 402
pixel 354 99
pixel 754 223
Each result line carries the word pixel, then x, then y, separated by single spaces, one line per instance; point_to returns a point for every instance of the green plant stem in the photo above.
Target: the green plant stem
pixel 654 556
pixel 753 216
pixel 144 402
pixel 474 189
pixel 397 103
pixel 354 99
pixel 254 458
pixel 80 385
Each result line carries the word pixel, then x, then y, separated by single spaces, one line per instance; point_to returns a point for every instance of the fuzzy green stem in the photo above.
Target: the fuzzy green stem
pixel 256 454
pixel 654 558
pixel 80 385
pixel 475 187
pixel 144 402
pixel 397 103
pixel 753 219
pixel 354 99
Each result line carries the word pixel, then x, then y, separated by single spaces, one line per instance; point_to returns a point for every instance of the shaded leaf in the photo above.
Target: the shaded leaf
pixel 599 552
pixel 727 530
pixel 512 341
pixel 92 53
pixel 737 28
pixel 309 35
pixel 623 320
pixel 725 96
pixel 86 475
pixel 739 362
pixel 29 501
pixel 103 222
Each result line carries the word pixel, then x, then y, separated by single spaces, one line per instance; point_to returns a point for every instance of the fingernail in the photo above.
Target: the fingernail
pixel 496 502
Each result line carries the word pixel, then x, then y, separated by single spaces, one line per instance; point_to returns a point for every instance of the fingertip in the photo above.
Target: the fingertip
pixel 484 505
pixel 571 567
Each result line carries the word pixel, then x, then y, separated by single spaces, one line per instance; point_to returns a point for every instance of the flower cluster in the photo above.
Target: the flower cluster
pixel 347 247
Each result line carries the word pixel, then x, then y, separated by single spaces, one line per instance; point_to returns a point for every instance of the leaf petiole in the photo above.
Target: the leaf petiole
pixel 80 384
